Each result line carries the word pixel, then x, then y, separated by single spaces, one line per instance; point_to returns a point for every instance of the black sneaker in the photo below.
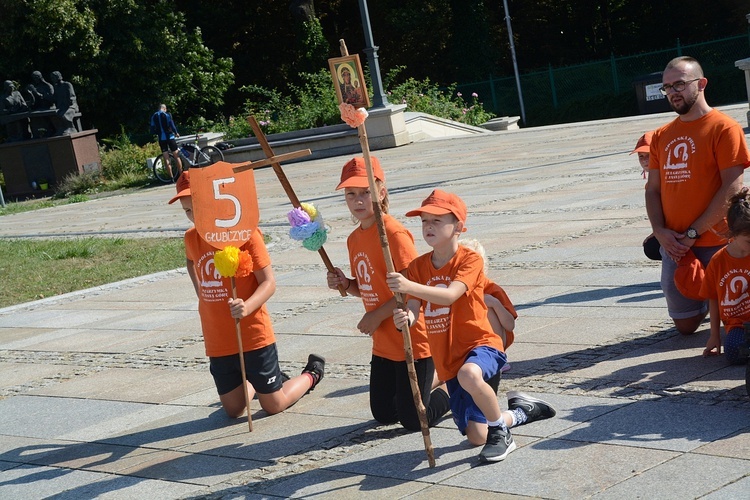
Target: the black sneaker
pixel 499 444
pixel 316 367
pixel 535 409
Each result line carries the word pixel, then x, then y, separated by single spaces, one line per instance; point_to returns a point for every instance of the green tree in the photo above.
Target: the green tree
pixel 149 56
pixel 123 56
pixel 45 35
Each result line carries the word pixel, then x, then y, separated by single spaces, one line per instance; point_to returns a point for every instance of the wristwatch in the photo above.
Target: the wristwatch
pixel 692 233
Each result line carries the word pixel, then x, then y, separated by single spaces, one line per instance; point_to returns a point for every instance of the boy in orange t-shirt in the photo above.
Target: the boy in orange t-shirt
pixel 448 284
pixel 276 391
pixel 391 398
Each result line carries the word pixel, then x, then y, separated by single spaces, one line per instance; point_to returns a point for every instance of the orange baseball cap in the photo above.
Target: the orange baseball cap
pixel 644 143
pixel 183 186
pixel 440 203
pixel 689 276
pixel 354 173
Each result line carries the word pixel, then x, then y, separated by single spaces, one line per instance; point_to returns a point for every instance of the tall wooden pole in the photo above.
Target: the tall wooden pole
pixel 242 361
pixel 413 381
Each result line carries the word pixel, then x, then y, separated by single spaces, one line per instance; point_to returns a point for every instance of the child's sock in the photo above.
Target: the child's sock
pixel 498 423
pixel 518 416
pixel 313 378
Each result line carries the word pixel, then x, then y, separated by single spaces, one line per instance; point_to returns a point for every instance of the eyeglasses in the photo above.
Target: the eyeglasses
pixel 676 86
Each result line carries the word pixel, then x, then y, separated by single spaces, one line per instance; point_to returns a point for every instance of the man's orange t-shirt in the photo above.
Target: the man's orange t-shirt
pixel 214 292
pixel 368 267
pixel 727 281
pixel 453 331
pixel 492 288
pixel 690 157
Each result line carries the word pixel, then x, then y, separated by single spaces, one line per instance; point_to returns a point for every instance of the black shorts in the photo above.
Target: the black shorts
pixel 261 367
pixel 168 145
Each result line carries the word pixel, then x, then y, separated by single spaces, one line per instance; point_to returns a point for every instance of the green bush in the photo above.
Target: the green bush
pixel 121 157
pixel 75 184
pixel 427 97
pixel 313 104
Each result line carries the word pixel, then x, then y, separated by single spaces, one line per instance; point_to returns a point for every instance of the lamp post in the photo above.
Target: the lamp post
pixel 515 64
pixel 379 99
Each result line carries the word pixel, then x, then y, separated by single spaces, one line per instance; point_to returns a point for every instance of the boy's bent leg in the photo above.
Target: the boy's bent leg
pixel 688 326
pixel 293 389
pixel 470 378
pixel 383 387
pixel 289 393
pixel 233 402
pixel 436 403
pixel 228 380
pixel 687 314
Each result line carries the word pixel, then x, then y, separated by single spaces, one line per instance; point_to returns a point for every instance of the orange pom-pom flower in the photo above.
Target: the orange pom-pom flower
pixel 231 262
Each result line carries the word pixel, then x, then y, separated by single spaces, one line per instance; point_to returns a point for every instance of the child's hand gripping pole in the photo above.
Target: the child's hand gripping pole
pixel 421 412
pixel 287 187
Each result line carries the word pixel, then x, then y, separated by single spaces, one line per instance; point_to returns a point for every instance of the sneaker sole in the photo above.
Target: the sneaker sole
pixel 498 458
pixel 520 395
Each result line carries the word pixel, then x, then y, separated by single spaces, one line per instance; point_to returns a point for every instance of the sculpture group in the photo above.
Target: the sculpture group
pixel 44 109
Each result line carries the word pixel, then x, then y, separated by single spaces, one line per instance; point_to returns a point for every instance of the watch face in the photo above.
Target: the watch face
pixel 692 233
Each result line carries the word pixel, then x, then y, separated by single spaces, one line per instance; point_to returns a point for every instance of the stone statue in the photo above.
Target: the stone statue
pixel 41 98
pixel 13 102
pixel 41 91
pixel 66 103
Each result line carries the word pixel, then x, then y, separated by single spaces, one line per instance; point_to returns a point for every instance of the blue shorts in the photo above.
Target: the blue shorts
pixel 679 306
pixel 490 360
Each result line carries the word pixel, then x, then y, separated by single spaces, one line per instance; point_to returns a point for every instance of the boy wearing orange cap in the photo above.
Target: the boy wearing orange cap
pixel 651 246
pixel 642 147
pixel 275 390
pixel 391 398
pixel 448 283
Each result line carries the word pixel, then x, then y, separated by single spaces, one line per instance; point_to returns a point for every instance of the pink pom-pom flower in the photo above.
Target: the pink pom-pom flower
pixel 354 117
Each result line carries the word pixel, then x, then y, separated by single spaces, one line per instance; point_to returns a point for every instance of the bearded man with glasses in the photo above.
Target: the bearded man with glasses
pixel 696 163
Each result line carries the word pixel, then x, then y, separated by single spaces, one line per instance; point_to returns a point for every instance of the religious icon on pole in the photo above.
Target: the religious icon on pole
pixel 349 81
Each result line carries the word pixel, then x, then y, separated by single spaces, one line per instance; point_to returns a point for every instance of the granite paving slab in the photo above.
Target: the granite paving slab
pixel 560 212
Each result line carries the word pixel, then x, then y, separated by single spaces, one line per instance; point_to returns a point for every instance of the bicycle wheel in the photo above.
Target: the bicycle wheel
pixel 208 156
pixel 161 173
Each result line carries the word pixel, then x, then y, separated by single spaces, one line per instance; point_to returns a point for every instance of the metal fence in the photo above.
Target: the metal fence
pixel 608 89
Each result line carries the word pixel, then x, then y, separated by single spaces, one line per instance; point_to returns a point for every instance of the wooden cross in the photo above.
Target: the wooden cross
pixel 275 162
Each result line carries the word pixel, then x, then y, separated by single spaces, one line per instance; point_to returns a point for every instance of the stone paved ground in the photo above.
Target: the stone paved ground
pixel 106 392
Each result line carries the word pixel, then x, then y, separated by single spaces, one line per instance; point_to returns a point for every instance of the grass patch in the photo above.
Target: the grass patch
pixel 35 269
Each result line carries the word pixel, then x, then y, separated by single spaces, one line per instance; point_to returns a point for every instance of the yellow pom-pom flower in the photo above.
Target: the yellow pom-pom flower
pixel 310 209
pixel 227 261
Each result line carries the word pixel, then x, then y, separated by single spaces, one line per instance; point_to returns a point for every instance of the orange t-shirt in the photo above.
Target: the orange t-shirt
pixel 368 267
pixel 214 292
pixel 492 288
pixel 455 330
pixel 727 280
pixel 690 157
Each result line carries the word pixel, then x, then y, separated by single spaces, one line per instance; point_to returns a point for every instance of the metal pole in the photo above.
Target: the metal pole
pixel 515 64
pixel 379 99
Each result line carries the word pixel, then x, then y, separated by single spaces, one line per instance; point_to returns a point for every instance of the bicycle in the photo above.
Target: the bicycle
pixel 191 155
